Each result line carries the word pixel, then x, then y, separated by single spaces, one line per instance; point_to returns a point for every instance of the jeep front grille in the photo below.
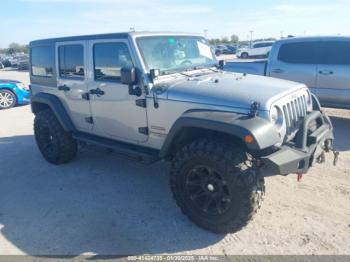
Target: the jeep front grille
pixel 294 111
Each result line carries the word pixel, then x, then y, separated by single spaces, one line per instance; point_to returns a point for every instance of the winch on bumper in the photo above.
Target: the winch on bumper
pixel 307 148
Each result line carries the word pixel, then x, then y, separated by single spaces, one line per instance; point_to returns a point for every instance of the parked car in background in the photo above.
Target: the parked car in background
pixel 13 61
pixel 23 63
pixel 322 63
pixel 259 49
pixel 225 50
pixel 6 62
pixel 13 93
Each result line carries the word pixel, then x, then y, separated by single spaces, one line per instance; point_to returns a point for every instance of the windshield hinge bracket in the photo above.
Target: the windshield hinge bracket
pixel 86 96
pixel 141 103
pixel 143 130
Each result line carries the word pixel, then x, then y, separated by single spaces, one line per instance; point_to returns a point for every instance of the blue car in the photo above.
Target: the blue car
pixel 13 93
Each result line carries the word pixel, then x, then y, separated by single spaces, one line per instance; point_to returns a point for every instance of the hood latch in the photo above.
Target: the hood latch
pixel 254 109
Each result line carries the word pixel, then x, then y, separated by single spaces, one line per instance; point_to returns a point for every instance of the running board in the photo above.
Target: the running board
pixel 135 152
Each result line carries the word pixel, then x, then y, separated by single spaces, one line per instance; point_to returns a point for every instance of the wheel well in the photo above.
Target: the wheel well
pixel 37 107
pixel 189 134
pixel 8 89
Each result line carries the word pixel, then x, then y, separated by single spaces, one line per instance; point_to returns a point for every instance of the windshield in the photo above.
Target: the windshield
pixel 170 54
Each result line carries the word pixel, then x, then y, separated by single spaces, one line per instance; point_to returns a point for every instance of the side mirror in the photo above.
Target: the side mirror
pixel 128 75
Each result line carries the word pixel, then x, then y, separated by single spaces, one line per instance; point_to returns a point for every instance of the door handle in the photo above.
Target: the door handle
pixel 278 71
pixel 98 92
pixel 326 72
pixel 63 88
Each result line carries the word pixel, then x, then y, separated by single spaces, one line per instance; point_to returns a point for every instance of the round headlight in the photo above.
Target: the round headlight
pixel 276 116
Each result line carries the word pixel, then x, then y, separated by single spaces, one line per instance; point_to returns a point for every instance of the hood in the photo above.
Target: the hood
pixel 231 90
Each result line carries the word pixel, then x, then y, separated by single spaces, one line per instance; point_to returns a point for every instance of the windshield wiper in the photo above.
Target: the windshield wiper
pixel 169 72
pixel 206 67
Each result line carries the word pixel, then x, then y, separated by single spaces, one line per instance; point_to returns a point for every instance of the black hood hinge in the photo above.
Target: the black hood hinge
pixel 254 109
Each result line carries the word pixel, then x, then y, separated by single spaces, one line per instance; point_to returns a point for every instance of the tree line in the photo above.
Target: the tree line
pixel 234 40
pixel 14 48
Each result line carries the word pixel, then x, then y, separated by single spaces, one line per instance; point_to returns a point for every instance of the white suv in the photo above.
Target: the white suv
pixel 258 49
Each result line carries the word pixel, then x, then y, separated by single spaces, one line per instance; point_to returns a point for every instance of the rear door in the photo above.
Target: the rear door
pixel 72 81
pixel 296 61
pixel 333 73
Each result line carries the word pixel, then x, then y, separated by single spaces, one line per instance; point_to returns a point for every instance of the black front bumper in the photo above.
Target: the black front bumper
pixel 307 148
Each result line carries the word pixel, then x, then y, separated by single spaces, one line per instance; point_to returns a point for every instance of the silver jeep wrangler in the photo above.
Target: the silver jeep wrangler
pixel 164 96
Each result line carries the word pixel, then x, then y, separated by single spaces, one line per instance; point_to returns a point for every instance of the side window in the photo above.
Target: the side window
pixel 299 53
pixel 256 45
pixel 41 61
pixel 71 61
pixel 109 58
pixel 335 53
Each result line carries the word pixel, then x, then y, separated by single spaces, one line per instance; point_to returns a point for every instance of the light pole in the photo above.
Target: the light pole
pixel 282 34
pixel 205 31
pixel 251 37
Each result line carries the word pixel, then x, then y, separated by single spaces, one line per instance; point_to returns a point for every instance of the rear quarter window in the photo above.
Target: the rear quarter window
pixel 41 61
pixel 299 53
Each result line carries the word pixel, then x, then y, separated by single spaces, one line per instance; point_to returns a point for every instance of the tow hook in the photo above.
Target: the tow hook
pixel 322 158
pixel 336 157
pixel 300 176
pixel 329 147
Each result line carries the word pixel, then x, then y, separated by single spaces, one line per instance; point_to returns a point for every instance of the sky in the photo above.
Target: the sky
pixel 25 20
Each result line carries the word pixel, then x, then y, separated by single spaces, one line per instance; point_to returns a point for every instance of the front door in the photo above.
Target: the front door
pixel 72 82
pixel 296 62
pixel 114 110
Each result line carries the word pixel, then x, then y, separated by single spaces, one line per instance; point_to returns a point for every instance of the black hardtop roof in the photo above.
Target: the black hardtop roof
pixel 77 38
pixel 123 35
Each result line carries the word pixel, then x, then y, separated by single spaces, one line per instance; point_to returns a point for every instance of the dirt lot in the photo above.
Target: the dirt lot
pixel 103 204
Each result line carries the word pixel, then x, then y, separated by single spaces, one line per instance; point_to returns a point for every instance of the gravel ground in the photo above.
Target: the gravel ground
pixel 103 204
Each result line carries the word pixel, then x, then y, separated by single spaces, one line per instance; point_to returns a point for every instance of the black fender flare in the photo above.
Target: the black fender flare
pixel 41 100
pixel 239 125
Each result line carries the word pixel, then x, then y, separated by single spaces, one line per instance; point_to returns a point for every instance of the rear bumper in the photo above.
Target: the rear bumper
pixel 306 149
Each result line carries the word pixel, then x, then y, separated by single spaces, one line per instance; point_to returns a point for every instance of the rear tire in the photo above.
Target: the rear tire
pixel 7 99
pixel 216 186
pixel 244 55
pixel 56 145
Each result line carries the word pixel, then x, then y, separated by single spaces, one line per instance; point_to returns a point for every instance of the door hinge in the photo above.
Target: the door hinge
pixel 89 119
pixel 141 103
pixel 86 96
pixel 143 130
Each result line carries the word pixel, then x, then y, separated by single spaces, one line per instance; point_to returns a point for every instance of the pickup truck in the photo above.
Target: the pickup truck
pixel 322 63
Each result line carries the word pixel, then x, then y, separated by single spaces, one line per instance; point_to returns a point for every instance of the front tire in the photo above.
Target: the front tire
pixel 56 145
pixel 216 186
pixel 7 99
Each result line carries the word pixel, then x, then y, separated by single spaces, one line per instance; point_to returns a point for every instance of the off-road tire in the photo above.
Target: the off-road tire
pixel 245 184
pixel 56 145
pixel 11 99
